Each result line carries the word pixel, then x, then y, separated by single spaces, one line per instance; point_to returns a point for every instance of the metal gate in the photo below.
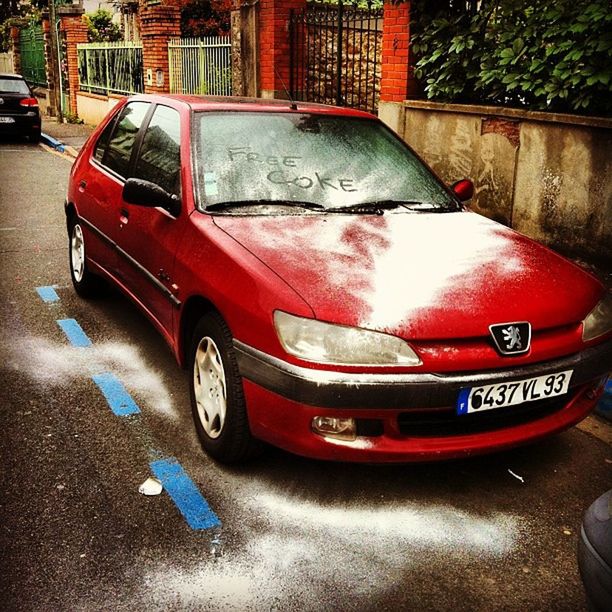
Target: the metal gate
pixel 201 65
pixel 32 49
pixel 335 54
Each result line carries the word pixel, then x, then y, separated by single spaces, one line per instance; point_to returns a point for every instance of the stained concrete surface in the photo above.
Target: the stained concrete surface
pixel 296 534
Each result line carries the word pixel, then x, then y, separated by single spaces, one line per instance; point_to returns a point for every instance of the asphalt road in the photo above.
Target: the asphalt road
pixel 294 534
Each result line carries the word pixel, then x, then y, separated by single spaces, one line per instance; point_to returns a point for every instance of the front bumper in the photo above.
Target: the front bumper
pixel 353 390
pixel 414 413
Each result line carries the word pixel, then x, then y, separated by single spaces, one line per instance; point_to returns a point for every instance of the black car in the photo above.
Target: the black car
pixel 19 114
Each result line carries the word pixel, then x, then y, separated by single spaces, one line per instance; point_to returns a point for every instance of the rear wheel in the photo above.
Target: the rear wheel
pixel 85 283
pixel 34 135
pixel 217 397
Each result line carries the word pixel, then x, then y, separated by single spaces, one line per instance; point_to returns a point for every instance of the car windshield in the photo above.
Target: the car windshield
pixel 13 86
pixel 263 162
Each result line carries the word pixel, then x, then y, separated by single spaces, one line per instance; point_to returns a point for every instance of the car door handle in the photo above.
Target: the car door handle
pixel 82 185
pixel 124 216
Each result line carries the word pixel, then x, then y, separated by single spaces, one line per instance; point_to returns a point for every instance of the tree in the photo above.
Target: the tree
pixel 100 27
pixel 539 55
pixel 206 18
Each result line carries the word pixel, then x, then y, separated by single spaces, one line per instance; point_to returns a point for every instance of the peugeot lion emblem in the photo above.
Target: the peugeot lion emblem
pixel 511 338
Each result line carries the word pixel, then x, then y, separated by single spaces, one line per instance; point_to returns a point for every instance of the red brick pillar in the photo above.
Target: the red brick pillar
pixel 15 48
pixel 274 57
pixel 397 73
pixel 158 23
pixel 74 31
pixel 52 80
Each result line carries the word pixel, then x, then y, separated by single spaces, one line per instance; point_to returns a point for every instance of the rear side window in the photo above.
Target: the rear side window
pixel 122 141
pixel 159 159
pixel 103 140
pixel 13 86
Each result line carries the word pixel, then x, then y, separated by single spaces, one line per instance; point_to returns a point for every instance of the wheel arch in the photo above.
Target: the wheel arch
pixel 194 309
pixel 71 213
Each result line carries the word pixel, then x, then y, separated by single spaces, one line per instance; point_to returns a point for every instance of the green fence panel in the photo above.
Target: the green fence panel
pixel 32 49
pixel 110 68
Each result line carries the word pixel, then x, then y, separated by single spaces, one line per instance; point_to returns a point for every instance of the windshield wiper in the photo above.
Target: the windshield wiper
pixel 378 207
pixel 229 205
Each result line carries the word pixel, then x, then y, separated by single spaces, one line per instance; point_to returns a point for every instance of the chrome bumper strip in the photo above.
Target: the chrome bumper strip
pixel 356 390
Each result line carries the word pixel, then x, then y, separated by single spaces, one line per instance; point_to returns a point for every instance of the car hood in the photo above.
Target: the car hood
pixel 418 275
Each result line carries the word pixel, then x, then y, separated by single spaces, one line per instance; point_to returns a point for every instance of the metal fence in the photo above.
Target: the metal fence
pixel 201 65
pixel 32 52
pixel 110 68
pixel 335 53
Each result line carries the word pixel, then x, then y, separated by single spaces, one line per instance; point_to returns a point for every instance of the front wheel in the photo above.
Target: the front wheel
pixel 85 283
pixel 217 397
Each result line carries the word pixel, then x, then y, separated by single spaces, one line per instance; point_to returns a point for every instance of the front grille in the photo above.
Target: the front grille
pixel 446 422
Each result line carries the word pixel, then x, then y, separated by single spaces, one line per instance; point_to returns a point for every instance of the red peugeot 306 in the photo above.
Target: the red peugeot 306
pixel 327 293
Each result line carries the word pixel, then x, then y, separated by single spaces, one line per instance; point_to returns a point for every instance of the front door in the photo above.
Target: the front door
pixel 150 236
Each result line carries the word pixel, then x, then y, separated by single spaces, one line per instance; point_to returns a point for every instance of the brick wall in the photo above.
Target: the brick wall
pixel 16 49
pixel 274 45
pixel 75 31
pixel 397 77
pixel 158 23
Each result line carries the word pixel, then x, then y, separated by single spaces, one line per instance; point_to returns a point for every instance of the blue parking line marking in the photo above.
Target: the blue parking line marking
pixel 119 400
pixel 74 332
pixel 47 294
pixel 185 494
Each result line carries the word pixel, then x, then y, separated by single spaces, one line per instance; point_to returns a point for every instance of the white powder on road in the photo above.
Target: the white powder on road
pixel 306 555
pixel 57 364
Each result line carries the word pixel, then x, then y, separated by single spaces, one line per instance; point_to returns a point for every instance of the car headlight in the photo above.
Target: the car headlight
pixel 313 340
pixel 599 321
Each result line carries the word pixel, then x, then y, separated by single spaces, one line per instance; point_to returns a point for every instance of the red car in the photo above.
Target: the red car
pixel 327 293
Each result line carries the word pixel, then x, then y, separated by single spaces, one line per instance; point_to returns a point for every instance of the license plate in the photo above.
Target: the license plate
pixel 7 120
pixel 502 395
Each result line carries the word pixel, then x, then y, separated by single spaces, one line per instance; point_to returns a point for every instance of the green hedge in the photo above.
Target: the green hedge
pixel 539 55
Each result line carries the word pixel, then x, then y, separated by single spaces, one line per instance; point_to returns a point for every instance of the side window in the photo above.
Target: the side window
pixel 159 158
pixel 103 140
pixel 121 142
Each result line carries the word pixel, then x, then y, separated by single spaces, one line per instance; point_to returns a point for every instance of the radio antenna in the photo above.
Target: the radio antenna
pixel 293 105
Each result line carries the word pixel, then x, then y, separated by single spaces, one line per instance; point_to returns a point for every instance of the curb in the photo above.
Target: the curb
pixel 59 146
pixel 51 142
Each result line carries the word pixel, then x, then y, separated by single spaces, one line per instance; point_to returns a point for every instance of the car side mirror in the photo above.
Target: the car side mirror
pixel 144 193
pixel 463 189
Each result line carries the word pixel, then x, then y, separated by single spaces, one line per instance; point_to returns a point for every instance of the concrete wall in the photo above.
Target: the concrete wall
pixel 42 95
pixel 92 108
pixel 548 176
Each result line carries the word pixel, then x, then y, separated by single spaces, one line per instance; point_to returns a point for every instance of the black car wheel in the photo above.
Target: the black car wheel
pixel 217 397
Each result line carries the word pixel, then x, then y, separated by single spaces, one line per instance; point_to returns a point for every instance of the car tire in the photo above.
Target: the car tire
pixel 85 283
pixel 34 136
pixel 217 397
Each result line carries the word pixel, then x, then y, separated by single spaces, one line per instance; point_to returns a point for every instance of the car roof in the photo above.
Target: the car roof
pixel 242 104
pixel 6 75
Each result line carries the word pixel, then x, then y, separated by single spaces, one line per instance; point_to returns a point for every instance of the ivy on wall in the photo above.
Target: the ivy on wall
pixel 539 55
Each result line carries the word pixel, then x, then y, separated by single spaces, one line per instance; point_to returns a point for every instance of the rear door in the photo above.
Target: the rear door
pixel 100 186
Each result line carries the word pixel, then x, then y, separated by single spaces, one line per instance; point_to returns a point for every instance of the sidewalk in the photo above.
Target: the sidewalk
pixel 72 134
